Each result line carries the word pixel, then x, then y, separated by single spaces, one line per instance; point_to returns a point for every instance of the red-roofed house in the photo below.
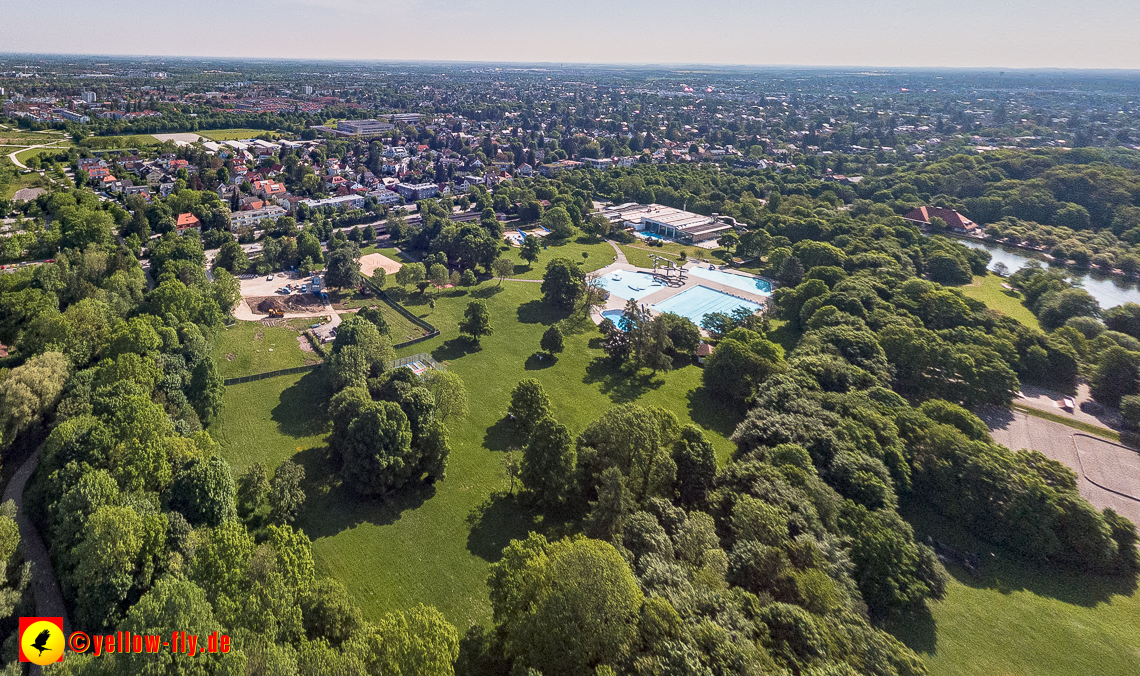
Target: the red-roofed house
pixel 953 219
pixel 186 221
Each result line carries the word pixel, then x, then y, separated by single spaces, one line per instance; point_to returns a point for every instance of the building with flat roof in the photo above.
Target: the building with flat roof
pixel 362 127
pixel 252 218
pixel 683 226
pixel 351 201
pixel 417 191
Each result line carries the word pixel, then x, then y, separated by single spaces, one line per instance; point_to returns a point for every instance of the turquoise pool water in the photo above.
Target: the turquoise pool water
pixel 749 284
pixel 612 315
pixel 699 301
pixel 630 285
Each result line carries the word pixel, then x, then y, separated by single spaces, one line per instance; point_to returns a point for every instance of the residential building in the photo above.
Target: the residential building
pixel 250 219
pixel 348 201
pixel 602 163
pixel 188 221
pixel 417 191
pixel 386 198
pixel 88 97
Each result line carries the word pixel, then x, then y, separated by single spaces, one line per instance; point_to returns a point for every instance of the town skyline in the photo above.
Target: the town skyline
pixel 969 34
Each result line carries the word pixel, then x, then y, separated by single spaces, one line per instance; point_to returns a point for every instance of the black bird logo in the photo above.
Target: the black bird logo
pixel 40 643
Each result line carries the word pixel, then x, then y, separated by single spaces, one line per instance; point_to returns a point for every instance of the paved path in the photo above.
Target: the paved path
pixel 49 600
pixel 18 163
pixel 620 258
pixel 1108 475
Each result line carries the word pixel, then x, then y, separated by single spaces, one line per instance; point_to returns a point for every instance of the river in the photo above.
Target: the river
pixel 1109 291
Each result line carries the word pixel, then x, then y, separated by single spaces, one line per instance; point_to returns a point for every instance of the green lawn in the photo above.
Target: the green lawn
pixel 433 545
pixel 250 345
pixel 123 141
pixel 601 254
pixel 234 134
pixel 17 182
pixel 25 155
pixel 988 290
pixel 1018 620
pixel 270 420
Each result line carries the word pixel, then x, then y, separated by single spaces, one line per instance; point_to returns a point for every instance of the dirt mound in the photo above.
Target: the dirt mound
pixel 270 303
pixel 297 302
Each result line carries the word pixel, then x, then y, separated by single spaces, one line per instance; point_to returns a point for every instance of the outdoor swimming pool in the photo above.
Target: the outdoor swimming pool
pixel 612 315
pixel 699 301
pixel 630 285
pixel 749 284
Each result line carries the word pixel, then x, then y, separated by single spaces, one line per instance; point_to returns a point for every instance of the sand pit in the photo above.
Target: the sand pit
pixel 370 262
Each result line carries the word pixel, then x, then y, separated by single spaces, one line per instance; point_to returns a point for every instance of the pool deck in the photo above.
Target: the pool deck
pixel 676 287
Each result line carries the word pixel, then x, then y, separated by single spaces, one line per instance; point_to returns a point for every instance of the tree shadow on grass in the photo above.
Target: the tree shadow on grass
pixel 331 507
pixel 714 413
pixel 916 629
pixel 503 517
pixel 455 348
pixel 621 385
pixel 540 360
pixel 487 291
pixel 538 312
pixel 302 409
pixel 501 436
pixel 1006 572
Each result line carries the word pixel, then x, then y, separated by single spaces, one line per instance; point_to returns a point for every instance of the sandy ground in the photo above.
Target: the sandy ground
pixel 369 263
pixel 179 139
pixel 1046 400
pixel 1108 475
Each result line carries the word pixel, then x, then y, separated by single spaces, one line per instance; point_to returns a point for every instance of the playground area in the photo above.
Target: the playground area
pixel 369 263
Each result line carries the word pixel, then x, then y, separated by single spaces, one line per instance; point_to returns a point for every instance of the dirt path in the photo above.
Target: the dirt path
pixel 18 163
pixel 45 586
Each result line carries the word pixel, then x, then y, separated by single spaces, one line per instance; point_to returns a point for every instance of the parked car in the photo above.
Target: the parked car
pixel 269 278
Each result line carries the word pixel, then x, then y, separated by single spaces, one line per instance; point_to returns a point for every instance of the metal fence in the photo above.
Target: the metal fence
pixel 432 332
pixel 270 374
pixel 422 357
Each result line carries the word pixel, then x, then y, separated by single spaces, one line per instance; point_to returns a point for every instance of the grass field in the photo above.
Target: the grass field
pixel 234 134
pixel 270 420
pixel 17 182
pixel 28 138
pixel 601 254
pixel 120 142
pixel 988 290
pixel 25 155
pixel 250 343
pixel 1017 620
pixel 433 545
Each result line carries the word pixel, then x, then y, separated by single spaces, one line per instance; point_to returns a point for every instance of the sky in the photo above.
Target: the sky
pixel 883 33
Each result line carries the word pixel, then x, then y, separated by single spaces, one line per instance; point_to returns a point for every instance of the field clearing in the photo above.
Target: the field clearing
pixel 244 349
pixel 988 290
pixel 600 255
pixel 25 155
pixel 28 138
pixel 17 182
pixel 1020 621
pixel 433 545
pixel 117 142
pixel 270 420
pixel 235 134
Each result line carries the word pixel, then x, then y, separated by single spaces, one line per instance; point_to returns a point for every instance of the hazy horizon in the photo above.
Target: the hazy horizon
pixel 970 34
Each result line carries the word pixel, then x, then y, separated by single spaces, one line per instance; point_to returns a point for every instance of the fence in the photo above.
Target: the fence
pixel 403 361
pixel 422 357
pixel 270 374
pixel 432 332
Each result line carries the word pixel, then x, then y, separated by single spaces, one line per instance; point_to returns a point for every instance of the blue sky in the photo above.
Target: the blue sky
pixel 960 33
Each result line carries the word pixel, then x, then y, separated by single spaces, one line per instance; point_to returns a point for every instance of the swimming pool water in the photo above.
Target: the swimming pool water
pixel 630 285
pixel 750 284
pixel 699 301
pixel 612 315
